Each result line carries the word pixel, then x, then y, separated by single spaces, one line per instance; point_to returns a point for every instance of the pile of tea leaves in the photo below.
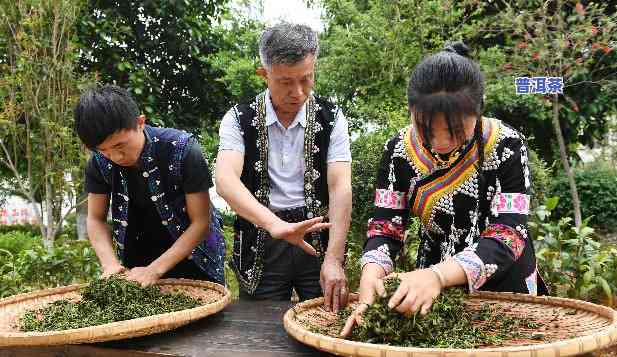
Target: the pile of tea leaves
pixel 104 301
pixel 449 324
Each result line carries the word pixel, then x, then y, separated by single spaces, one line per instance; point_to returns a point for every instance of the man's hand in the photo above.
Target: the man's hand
pixel 294 232
pixel 333 283
pixel 143 275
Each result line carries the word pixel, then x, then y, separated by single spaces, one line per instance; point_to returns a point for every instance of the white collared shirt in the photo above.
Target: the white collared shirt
pixel 286 152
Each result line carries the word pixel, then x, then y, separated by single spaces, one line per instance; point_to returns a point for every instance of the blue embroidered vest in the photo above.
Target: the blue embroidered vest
pixel 166 147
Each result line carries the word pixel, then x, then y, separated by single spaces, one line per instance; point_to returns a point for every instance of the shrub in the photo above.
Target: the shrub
pixel 67 262
pixel 31 229
pixel 366 152
pixel 230 277
pixel 69 228
pixel 541 176
pixel 597 190
pixel 570 259
pixel 16 241
pixel 229 217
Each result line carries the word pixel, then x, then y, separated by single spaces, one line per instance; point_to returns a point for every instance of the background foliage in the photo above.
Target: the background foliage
pixel 38 87
pixel 26 265
pixel 598 192
pixel 187 62
pixel 160 50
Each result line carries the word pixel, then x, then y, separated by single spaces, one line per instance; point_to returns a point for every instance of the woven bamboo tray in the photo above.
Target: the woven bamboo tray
pixel 215 296
pixel 569 327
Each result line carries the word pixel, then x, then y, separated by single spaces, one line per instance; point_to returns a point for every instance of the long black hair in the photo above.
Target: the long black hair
pixel 451 83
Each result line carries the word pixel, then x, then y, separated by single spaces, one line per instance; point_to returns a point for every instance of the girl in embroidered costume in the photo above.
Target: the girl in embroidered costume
pixel 466 177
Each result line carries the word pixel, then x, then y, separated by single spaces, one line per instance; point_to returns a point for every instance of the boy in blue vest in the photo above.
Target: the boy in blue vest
pixel 156 181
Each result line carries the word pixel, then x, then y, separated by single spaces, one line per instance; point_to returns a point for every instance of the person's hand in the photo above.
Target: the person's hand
pixel 369 288
pixel 354 319
pixel 116 268
pixel 416 291
pixel 333 283
pixel 145 276
pixel 294 232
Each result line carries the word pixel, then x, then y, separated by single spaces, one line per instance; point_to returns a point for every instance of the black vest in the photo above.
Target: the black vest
pixel 249 239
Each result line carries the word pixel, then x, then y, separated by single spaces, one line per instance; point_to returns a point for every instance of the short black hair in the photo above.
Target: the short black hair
pixel 102 111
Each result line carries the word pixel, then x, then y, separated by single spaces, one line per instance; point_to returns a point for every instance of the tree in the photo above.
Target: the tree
pixel 38 87
pixel 369 49
pixel 158 49
pixel 495 42
pixel 564 39
pixel 237 58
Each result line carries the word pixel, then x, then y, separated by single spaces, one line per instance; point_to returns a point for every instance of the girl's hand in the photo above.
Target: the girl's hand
pixel 354 319
pixel 371 284
pixel 416 292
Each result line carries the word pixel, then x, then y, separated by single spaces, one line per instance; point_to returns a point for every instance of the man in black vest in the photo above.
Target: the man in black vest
pixel 284 161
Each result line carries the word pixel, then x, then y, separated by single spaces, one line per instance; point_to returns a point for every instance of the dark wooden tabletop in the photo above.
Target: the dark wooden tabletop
pixel 244 328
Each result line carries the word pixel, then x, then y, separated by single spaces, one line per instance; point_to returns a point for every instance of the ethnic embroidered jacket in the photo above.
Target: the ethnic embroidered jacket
pixel 482 226
pixel 249 239
pixel 161 161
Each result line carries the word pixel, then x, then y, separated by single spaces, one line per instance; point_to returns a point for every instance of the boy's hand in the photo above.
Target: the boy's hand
pixel 114 269
pixel 143 275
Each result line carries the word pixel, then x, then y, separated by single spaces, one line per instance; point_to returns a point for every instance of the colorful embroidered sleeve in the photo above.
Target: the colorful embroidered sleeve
pixel 505 237
pixel 386 228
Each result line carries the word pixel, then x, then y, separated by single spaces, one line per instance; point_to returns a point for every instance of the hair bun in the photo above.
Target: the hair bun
pixel 457 47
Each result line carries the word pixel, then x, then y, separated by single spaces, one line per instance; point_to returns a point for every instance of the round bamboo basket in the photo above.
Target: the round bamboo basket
pixel 569 327
pixel 214 296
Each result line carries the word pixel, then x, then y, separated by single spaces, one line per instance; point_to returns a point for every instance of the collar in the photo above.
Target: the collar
pixel 145 150
pixel 147 135
pixel 272 118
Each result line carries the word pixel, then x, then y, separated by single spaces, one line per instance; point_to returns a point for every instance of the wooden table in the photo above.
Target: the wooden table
pixel 243 329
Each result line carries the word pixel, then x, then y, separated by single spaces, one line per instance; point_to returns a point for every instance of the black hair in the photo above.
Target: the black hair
pixel 451 83
pixel 102 111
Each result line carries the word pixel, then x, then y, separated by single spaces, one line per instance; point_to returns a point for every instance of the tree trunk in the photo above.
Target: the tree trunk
pixel 566 164
pixel 48 238
pixel 82 215
pixel 36 207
